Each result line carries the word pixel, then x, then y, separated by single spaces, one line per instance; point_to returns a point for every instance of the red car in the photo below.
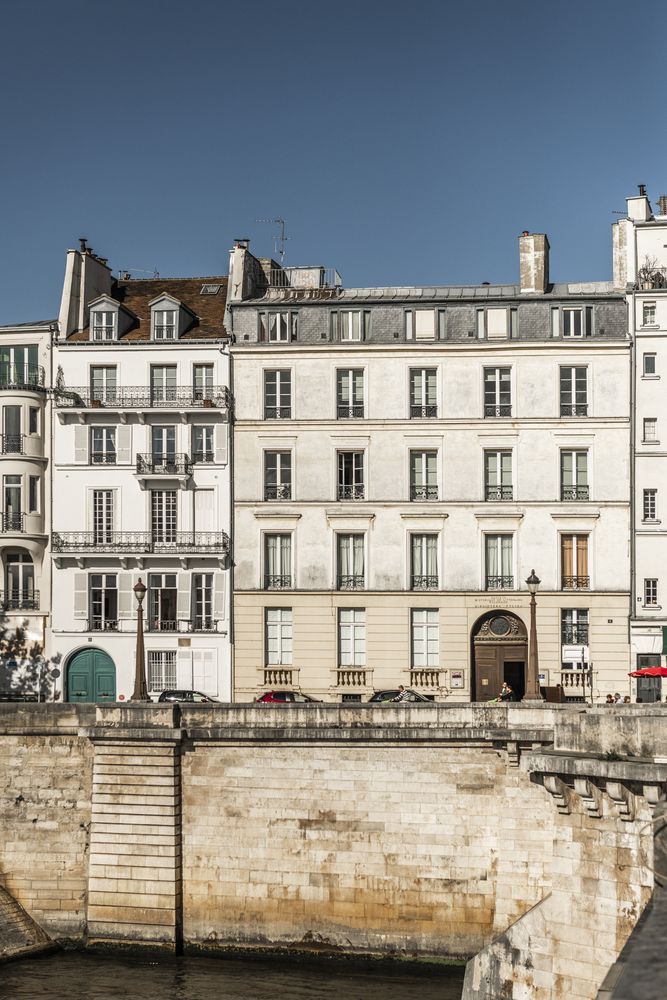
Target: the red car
pixel 285 697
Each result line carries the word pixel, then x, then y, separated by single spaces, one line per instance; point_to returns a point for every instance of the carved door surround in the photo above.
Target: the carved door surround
pixel 499 652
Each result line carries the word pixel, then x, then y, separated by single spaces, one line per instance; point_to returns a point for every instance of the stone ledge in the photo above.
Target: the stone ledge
pixel 588 766
pixel 465 736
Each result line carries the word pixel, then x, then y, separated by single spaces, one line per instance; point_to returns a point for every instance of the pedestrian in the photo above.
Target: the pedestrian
pixel 506 693
pixel 626 700
pixel 402 694
pixel 617 697
pixel 610 699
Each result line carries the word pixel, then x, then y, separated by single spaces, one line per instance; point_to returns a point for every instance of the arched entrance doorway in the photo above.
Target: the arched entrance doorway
pixel 91 676
pixel 499 653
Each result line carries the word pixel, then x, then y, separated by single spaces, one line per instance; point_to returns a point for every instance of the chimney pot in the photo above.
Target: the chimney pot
pixel 662 204
pixel 525 233
pixel 642 190
pixel 82 244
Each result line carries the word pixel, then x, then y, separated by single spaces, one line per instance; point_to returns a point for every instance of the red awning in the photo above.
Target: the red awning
pixel 649 672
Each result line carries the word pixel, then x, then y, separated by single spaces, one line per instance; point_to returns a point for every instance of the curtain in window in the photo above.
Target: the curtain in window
pixel 424 555
pixel 582 555
pixel 272 555
pixel 582 468
pixel 351 555
pixel 567 555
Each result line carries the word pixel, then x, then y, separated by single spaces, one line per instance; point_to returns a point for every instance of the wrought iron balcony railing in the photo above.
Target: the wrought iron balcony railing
pixel 497 409
pixel 574 409
pixel 355 492
pixel 157 464
pixel 279 581
pixel 499 492
pixel 143 397
pixel 427 410
pixel 103 458
pixel 350 582
pixel 13 521
pixel 277 412
pixel 500 583
pixel 11 444
pixel 99 624
pixel 423 492
pixel 160 543
pixel 162 625
pixel 29 377
pixel 576 582
pixel 278 491
pixel 574 635
pixel 350 412
pixel 202 456
pixel 19 600
pixel 424 583
pixel 574 493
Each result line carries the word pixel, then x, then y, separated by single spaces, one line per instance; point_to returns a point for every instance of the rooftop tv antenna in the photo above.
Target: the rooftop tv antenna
pixel 279 239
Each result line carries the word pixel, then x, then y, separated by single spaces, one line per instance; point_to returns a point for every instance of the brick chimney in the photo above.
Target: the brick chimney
pixel 533 263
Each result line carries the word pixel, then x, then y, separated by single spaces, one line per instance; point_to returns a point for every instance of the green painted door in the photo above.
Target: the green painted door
pixel 91 676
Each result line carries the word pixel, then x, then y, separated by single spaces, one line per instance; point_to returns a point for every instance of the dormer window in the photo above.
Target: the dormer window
pixel 169 318
pixel 104 325
pixel 164 324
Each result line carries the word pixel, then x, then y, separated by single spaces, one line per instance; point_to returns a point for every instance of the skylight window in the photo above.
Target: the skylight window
pixel 210 289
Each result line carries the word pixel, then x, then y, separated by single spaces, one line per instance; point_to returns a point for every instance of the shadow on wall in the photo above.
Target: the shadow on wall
pixel 25 673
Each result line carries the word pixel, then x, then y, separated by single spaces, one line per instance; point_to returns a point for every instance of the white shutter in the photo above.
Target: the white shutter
pixel 183 603
pixel 123 444
pixel 204 673
pixel 219 598
pixel 220 436
pixel 126 599
pixel 81 444
pixel 184 669
pixel 80 595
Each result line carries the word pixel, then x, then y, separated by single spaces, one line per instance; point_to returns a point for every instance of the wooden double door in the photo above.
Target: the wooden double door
pixel 499 653
pixel 91 676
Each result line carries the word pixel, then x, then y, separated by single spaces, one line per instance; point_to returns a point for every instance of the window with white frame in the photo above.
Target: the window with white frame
pixel 648 314
pixel 650 429
pixel 202 443
pixel 573 323
pixel 350 393
pixel 277 475
pixel 277 327
pixel 351 475
pixel 161 669
pixel 650 593
pixel 424 562
pixel 103 445
pixel 162 598
pixel 499 568
pixel 424 320
pixel 103 384
pixel 423 392
pixel 103 599
pixel 349 324
pixel 202 382
pixel 498 475
pixel 425 644
pixel 423 475
pixel 278 636
pixel 497 392
pixel 351 637
pixel 277 561
pixel 573 391
pixel 278 394
pixel 350 562
pixel 104 324
pixel 648 366
pixel 164 505
pixel 650 507
pixel 33 494
pixel 163 384
pixel 202 602
pixel 103 511
pixel 164 324
pixel 574 475
pixel 497 324
pixel 574 626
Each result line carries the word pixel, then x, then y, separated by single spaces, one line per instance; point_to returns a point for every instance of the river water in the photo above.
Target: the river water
pixel 92 976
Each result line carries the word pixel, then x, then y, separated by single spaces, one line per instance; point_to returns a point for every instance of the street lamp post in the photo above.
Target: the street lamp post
pixel 140 692
pixel 533 678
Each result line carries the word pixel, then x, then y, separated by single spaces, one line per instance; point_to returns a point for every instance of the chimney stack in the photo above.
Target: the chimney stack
pixel 662 204
pixel 533 263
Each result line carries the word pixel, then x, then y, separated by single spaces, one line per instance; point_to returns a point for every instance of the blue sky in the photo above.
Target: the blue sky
pixel 403 143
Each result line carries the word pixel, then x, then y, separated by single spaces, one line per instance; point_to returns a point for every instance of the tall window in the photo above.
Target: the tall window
pixel 350 569
pixel 423 475
pixel 278 394
pixel 278 636
pixel 103 445
pixel 351 637
pixel 103 379
pixel 163 384
pixel 33 420
pixel 19 367
pixel 351 475
pixel 162 595
pixel 423 392
pixel 277 561
pixel 350 393
pixel 651 593
pixel 650 505
pixel 277 475
pixel 573 391
pixel 13 503
pixel 202 382
pixel 202 443
pixel 499 572
pixel 277 327
pixel 498 475
pixel 574 626
pixel 650 429
pixel 648 314
pixel 104 324
pixel 424 562
pixel 12 439
pixel 574 562
pixel 497 392
pixel 161 669
pixel 19 582
pixel 572 323
pixel 164 324
pixel 163 449
pixel 33 494
pixel 425 639
pixel 103 516
pixel 202 602
pixel 574 475
pixel 163 516
pixel 103 602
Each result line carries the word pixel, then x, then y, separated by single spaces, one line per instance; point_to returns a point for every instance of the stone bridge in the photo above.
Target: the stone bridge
pixel 519 837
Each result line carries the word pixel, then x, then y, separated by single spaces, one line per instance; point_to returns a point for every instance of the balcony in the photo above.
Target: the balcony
pixel 423 677
pixel 576 583
pixel 11 444
pixel 203 456
pixel 652 278
pixel 141 542
pixel 162 466
pixel 355 492
pixel 574 635
pixel 22 377
pixel 418 412
pixel 574 493
pixel 26 600
pixel 352 677
pixel 143 397
pixel 574 409
pixel 279 677
pixel 278 491
pixel 353 412
pixel 98 624
pixel 277 581
pixel 350 582
pixel 423 492
pixel 500 583
pixel 424 583
pixel 303 278
pixel 277 412
pixel 13 521
pixel 497 409
pixel 499 493
pixel 571 680
pixel 103 458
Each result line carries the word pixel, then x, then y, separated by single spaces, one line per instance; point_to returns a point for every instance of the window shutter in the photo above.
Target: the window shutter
pixel 81 594
pixel 126 600
pixel 219 597
pixel 184 669
pixel 664 638
pixel 220 437
pixel 204 674
pixel 183 605
pixel 81 445
pixel 123 444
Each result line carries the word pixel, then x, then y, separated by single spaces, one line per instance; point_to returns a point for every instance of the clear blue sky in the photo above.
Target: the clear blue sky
pixel 404 143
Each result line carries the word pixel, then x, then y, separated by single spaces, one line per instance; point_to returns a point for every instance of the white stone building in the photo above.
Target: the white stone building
pixel 403 458
pixel 141 484
pixel 640 269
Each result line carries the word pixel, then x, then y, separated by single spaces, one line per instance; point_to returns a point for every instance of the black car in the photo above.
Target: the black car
pixel 409 695
pixel 187 696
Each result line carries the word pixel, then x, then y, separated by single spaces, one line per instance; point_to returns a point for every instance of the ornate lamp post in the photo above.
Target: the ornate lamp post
pixel 533 678
pixel 140 692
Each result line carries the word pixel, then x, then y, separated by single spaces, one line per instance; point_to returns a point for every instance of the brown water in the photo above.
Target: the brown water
pixel 89 976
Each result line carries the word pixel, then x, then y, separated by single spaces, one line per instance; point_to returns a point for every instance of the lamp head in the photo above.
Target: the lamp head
pixel 533 582
pixel 139 591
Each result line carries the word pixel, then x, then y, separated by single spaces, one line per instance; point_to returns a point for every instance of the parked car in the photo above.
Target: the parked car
pixel 389 695
pixel 187 696
pixel 285 697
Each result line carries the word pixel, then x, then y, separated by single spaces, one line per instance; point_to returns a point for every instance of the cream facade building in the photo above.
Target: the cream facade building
pixel 141 482
pixel 403 457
